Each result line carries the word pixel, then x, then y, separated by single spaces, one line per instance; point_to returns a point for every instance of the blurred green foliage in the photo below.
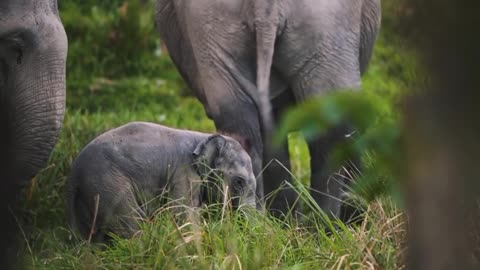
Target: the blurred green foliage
pixel 113 40
pixel 376 137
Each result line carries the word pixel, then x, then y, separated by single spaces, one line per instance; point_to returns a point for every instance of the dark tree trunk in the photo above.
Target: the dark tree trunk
pixel 442 138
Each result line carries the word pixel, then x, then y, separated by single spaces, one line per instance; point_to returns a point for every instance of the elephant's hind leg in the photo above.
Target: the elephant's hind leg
pixel 319 76
pixel 240 119
pixel 281 198
pixel 128 215
pixel 329 182
pixel 118 207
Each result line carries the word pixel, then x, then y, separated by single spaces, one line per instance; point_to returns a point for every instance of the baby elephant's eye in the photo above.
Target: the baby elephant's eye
pixel 239 183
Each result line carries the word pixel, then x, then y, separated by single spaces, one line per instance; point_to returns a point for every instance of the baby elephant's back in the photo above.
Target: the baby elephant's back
pixel 141 151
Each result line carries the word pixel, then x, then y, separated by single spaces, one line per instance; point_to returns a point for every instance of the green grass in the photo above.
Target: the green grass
pixel 111 83
pixel 233 242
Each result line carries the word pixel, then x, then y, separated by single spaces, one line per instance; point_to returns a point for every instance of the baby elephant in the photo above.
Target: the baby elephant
pixel 117 171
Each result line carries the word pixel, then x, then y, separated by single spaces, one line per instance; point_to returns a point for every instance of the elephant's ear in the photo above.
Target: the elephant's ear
pixel 208 151
pixel 244 142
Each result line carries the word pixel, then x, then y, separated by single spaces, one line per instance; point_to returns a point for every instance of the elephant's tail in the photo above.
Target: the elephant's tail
pixel 266 26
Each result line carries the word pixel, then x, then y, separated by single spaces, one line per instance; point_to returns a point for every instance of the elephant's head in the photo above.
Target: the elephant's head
pixel 33 52
pixel 223 157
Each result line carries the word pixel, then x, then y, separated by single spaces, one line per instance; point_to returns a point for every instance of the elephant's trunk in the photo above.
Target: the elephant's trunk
pixel 37 115
pixel 36 104
pixel 33 48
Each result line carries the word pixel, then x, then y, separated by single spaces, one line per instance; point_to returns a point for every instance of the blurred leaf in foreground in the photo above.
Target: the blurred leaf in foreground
pixel 376 137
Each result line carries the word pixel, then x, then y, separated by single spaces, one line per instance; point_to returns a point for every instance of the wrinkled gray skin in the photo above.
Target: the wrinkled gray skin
pixel 33 52
pixel 248 60
pixel 139 161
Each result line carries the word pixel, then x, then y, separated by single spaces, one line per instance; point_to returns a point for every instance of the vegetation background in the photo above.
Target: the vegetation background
pixel 118 71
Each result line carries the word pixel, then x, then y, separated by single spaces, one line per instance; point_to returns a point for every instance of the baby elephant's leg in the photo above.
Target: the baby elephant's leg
pixel 120 210
pixel 185 196
pixel 126 222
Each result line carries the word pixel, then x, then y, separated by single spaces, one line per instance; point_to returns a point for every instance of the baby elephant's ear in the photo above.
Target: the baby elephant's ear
pixel 209 149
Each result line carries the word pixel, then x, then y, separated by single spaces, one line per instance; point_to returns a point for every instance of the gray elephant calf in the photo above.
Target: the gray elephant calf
pixel 117 169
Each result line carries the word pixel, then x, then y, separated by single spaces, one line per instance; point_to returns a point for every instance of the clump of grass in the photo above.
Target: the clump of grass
pixel 236 240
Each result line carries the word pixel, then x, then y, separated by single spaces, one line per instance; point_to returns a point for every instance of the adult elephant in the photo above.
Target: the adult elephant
pixel 248 60
pixel 33 52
